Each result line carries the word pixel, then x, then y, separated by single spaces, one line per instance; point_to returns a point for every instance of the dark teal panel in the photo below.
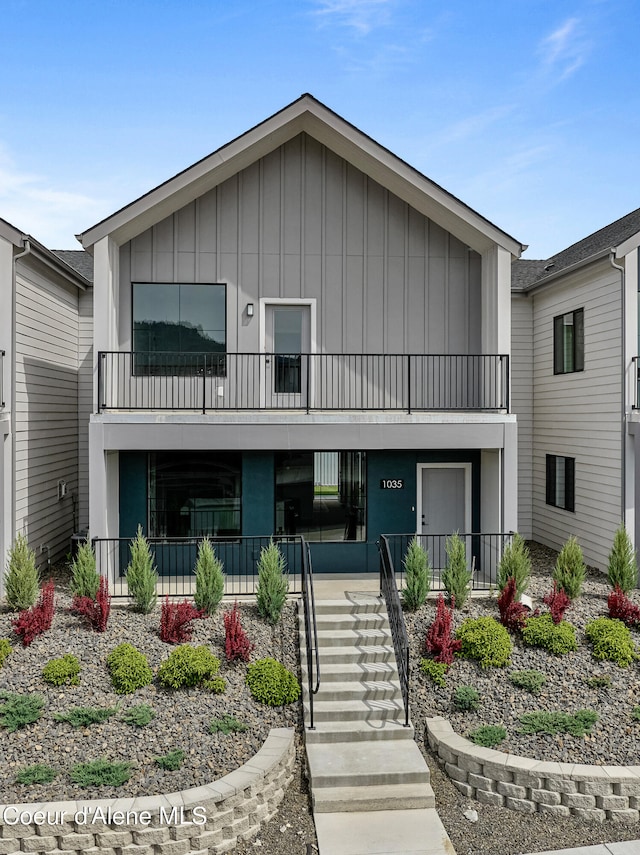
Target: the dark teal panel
pixel 391 511
pixel 258 486
pixel 133 492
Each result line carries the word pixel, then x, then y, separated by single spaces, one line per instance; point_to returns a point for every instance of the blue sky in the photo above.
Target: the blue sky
pixel 528 110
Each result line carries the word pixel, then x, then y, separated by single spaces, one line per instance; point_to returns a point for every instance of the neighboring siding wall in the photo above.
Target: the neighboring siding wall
pixel 46 438
pixel 522 403
pixel 302 222
pixel 85 401
pixel 578 415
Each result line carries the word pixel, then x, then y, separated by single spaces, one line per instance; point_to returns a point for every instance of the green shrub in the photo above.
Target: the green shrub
pixel 172 761
pixel 5 650
pixel 100 773
pixel 529 680
pixel 271 683
pixel 489 735
pixel 217 685
pixel 142 578
pixel 599 681
pixel 39 773
pixel 466 699
pixel 435 670
pixel 456 577
pixel 611 640
pixel 18 711
pixel 21 581
pixel 139 715
pixel 273 583
pixel 623 570
pixel 541 631
pixel 64 671
pixel 85 716
pixel 129 669
pixel 635 713
pixel 209 579
pixel 188 666
pixel 543 721
pixel 227 724
pixel 85 579
pixel 516 563
pixel 570 571
pixel 485 640
pixel 417 576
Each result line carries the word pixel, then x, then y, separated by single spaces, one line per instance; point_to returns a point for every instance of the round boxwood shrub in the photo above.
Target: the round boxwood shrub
pixel 129 669
pixel 64 671
pixel 271 683
pixel 466 698
pixel 541 631
pixel 189 666
pixel 485 640
pixel 611 640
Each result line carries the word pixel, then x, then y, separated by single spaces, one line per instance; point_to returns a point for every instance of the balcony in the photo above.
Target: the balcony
pixel 316 382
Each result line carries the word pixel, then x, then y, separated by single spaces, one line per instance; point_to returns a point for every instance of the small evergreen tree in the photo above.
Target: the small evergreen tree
pixel 456 578
pixel 85 579
pixel 141 574
pixel 516 564
pixel 418 576
pixel 21 581
pixel 209 578
pixel 570 571
pixel 273 583
pixel 623 569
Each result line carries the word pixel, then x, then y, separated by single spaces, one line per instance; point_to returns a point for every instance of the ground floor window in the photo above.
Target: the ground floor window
pixel 321 495
pixel 561 476
pixel 192 494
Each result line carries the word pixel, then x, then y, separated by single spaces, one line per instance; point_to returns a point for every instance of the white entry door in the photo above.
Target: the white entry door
pixel 287 344
pixel 443 506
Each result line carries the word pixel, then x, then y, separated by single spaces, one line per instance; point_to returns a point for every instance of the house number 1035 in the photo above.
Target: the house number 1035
pixel 392 484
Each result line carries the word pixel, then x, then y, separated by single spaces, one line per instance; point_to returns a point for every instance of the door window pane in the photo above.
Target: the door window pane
pixel 287 342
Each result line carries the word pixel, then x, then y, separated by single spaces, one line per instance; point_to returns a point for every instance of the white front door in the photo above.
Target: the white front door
pixel 443 506
pixel 287 345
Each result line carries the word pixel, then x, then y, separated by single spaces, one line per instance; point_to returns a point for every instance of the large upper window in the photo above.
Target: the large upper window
pixel 179 328
pixel 561 477
pixel 568 342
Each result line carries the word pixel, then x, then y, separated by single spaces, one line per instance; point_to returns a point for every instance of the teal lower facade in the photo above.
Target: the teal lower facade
pixel 255 494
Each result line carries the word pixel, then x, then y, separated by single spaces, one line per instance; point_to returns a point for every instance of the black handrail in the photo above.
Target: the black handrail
pixel 310 628
pixel 389 590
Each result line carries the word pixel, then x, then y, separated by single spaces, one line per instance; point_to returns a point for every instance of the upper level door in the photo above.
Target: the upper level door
pixel 287 345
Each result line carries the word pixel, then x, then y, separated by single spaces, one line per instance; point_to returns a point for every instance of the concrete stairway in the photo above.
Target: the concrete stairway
pixel 360 756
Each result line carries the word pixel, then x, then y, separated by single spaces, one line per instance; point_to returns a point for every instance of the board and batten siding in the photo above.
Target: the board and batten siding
pixel 46 410
pixel 303 223
pixel 522 403
pixel 579 414
pixel 85 401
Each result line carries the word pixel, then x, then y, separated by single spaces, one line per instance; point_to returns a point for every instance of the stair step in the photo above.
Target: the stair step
pixel 363 605
pixel 348 621
pixel 357 655
pixel 353 764
pixel 330 732
pixel 356 638
pixel 356 690
pixel 390 797
pixel 354 672
pixel 373 710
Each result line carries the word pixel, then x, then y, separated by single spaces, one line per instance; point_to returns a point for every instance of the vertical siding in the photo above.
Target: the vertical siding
pixel 46 438
pixel 522 403
pixel 578 415
pixel 302 222
pixel 85 401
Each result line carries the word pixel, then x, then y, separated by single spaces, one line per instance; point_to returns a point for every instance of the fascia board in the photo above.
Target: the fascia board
pixel 40 254
pixel 628 245
pixel 11 233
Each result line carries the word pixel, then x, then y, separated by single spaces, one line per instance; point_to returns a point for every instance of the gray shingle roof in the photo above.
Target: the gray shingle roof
pixel 78 259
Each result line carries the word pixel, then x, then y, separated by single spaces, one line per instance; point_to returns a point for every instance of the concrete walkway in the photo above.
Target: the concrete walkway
pixel 626 847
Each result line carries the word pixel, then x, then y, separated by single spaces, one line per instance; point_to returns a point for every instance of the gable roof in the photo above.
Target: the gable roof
pixel 305 115
pixel 79 259
pixel 50 259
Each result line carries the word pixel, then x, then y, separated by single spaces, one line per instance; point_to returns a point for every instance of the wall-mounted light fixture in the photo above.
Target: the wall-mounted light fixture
pixel 249 310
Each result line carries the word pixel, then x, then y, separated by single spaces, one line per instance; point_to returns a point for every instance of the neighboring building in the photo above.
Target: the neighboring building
pixel 575 343
pixel 301 334
pixel 42 295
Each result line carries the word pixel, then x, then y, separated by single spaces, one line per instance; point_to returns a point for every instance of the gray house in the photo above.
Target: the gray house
pixel 42 298
pixel 575 390
pixel 301 334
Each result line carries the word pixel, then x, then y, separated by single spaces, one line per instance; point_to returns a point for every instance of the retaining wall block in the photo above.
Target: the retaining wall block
pixel 489 798
pixel 624 817
pixel 612 802
pixel 595 815
pixel 521 805
pixel 455 773
pixel 555 810
pixel 39 844
pixel 560 785
pixel 544 797
pixel 481 783
pixel 513 791
pixel 578 800
pixel 465 789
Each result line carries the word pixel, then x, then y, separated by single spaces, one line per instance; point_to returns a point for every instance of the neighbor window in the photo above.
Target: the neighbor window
pixel 321 495
pixel 179 328
pixel 568 342
pixel 561 477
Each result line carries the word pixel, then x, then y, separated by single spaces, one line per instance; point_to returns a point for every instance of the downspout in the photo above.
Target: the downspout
pixel 623 384
pixel 16 257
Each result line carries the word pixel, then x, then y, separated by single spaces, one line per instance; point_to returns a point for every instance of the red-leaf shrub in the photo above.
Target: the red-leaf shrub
pixel 175 621
pixel 36 620
pixel 621 608
pixel 440 642
pixel 236 642
pixel 95 612
pixel 558 602
pixel 512 612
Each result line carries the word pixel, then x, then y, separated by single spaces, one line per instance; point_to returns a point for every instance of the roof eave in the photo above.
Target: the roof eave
pixel 571 268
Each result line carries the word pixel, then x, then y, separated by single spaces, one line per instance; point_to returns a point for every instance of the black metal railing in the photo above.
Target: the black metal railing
pixel 636 384
pixel 1 379
pixel 484 552
pixel 310 629
pixel 175 560
pixel 389 590
pixel 214 382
